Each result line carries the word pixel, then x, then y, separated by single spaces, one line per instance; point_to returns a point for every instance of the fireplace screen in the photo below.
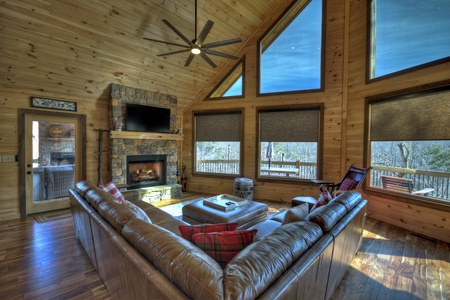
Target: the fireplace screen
pixel 146 170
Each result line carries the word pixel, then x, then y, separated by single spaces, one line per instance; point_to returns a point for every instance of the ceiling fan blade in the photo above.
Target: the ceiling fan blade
pixel 168 43
pixel 175 52
pixel 222 43
pixel 220 54
pixel 206 58
pixel 206 29
pixel 190 58
pixel 177 32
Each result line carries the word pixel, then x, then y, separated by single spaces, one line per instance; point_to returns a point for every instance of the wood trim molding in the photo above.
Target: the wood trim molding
pixel 145 135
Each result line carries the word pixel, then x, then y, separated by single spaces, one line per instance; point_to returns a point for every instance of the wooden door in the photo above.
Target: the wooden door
pixel 52 156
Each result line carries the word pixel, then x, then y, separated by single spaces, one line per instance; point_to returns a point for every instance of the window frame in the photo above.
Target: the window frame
pixel 369 56
pixel 400 95
pixel 320 143
pixel 241 111
pixel 226 78
pixel 282 24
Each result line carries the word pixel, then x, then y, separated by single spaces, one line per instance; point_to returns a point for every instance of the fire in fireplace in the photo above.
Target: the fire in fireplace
pixel 146 170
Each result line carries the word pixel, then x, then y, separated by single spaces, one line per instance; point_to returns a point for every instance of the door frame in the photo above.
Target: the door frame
pixel 22 151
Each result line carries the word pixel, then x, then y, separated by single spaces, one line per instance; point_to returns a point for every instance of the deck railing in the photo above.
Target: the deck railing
pixel 439 181
pixel 218 166
pixel 302 169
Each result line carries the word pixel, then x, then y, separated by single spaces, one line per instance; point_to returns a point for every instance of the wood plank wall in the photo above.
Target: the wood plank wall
pixel 344 100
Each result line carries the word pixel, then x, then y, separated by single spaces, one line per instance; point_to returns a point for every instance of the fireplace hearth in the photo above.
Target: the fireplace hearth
pixel 146 170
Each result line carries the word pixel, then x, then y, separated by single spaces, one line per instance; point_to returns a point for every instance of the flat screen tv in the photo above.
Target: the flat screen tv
pixel 147 118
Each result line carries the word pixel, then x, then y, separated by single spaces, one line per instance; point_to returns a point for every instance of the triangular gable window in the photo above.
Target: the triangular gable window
pixel 291 51
pixel 232 85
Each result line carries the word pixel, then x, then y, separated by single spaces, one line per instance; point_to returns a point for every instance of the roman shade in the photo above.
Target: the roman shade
pixel 297 125
pixel 420 116
pixel 218 127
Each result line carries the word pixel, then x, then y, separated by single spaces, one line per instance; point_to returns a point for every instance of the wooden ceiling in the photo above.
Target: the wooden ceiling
pixel 79 48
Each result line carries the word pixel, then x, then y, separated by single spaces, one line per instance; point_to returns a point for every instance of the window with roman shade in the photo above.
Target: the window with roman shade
pixel 218 142
pixel 409 138
pixel 289 142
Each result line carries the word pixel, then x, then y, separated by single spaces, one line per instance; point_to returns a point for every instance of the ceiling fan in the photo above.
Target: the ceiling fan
pixel 196 46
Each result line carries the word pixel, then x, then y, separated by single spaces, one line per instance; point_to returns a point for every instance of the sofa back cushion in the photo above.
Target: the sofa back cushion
pixel 327 216
pixel 348 199
pixel 82 187
pixel 117 214
pixel 296 213
pixel 188 267
pixel 256 267
pixel 96 196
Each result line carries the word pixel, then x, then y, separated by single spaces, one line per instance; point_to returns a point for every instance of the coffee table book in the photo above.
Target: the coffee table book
pixel 224 202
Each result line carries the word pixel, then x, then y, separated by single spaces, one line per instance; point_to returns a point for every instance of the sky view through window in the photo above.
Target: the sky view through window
pixel 410 33
pixel 293 61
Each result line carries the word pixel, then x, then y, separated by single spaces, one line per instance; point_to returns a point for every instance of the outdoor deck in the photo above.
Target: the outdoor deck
pixel 437 183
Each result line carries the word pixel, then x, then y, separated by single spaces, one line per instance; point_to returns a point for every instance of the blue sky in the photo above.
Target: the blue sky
pixel 410 33
pixel 292 62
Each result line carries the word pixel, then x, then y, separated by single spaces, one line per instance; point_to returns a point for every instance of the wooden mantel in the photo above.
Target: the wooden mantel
pixel 145 135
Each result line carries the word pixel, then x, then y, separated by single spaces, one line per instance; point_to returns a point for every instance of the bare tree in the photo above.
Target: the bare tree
pixel 404 155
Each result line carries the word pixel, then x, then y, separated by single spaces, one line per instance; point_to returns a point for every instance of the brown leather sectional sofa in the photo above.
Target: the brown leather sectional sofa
pixel 137 260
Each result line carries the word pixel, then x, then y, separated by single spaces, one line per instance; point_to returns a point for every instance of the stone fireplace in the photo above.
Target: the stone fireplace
pixel 123 148
pixel 146 170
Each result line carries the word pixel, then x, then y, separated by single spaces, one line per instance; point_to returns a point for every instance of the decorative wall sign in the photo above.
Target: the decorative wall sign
pixel 53 104
pixel 56 131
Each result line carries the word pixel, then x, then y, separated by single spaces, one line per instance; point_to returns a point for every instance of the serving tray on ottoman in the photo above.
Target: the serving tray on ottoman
pixel 245 215
pixel 224 202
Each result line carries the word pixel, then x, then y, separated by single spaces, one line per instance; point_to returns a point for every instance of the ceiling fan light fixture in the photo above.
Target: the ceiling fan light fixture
pixel 196 50
pixel 197 46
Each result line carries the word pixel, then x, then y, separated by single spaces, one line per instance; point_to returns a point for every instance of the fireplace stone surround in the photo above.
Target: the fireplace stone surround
pixel 123 147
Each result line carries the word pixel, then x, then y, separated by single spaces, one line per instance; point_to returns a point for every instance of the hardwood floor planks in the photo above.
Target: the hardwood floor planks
pixel 46 261
pixel 393 263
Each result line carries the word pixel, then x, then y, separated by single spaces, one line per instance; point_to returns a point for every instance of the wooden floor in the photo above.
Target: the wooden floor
pixel 46 261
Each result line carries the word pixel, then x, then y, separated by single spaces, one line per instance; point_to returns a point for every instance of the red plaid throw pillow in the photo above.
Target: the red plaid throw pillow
pixel 188 231
pixel 348 184
pixel 324 198
pixel 223 246
pixel 111 188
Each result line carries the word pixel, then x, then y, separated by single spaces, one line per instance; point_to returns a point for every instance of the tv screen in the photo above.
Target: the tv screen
pixel 147 118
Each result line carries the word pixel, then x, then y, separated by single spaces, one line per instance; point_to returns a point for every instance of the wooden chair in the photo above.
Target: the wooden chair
pixel 351 181
pixel 403 185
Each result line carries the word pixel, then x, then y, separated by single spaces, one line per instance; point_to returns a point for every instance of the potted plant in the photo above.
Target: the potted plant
pixel 119 125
